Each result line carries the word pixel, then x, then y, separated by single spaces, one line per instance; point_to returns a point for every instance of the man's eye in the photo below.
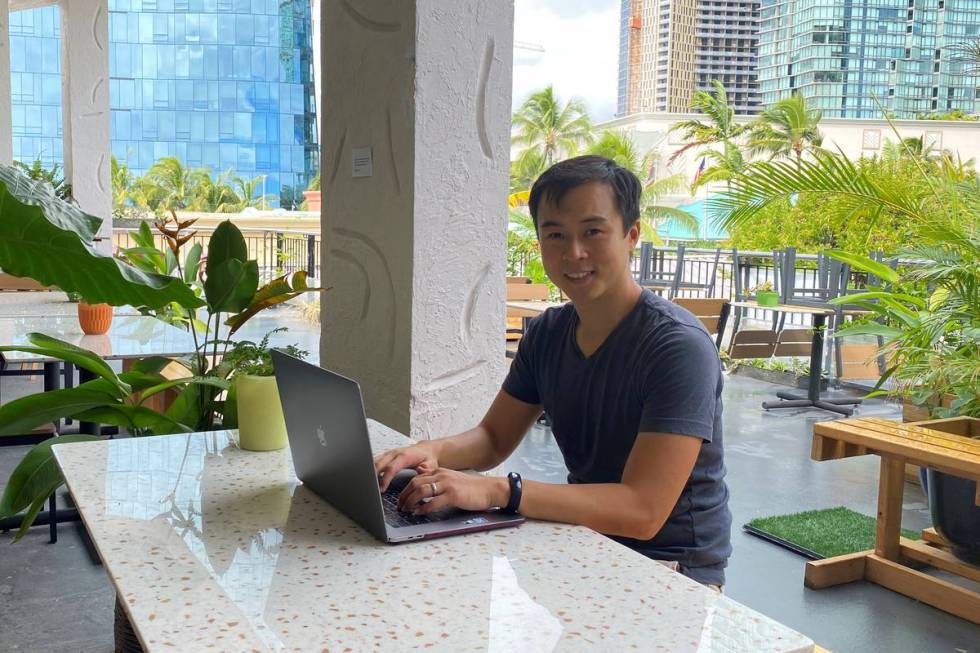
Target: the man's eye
pixel 593 232
pixel 553 236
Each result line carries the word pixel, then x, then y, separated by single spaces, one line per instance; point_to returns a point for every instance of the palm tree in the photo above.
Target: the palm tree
pixel 246 191
pixel 212 195
pixel 724 165
pixel 174 180
pixel 786 128
pixel 557 130
pixel 619 147
pixel 525 169
pixel 122 183
pixel 720 126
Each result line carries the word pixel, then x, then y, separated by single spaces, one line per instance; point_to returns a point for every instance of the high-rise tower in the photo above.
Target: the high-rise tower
pixel 670 48
pixel 841 54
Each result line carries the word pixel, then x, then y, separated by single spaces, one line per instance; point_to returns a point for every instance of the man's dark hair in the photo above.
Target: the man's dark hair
pixel 565 175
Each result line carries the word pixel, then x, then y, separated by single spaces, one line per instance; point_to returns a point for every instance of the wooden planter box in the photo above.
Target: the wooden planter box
pixel 913 413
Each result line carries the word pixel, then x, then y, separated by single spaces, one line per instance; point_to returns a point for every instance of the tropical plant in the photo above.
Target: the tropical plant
pixel 211 194
pixel 314 182
pixel 174 180
pixel 556 130
pixel 49 240
pixel 787 128
pixel 930 314
pixel 724 165
pixel 619 147
pixel 525 169
pixel 51 176
pixel 248 192
pixel 255 358
pixel 930 319
pixel 122 185
pixel 720 126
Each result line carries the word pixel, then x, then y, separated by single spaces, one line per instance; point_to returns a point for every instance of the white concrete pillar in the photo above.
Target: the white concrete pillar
pixel 6 125
pixel 415 236
pixel 85 106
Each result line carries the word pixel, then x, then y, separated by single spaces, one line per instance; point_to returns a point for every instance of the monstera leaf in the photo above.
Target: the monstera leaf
pixel 277 291
pixel 47 239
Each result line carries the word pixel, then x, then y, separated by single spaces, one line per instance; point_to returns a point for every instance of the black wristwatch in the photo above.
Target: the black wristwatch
pixel 516 488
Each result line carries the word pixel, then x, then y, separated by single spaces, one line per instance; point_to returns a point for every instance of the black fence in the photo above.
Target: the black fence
pixel 278 252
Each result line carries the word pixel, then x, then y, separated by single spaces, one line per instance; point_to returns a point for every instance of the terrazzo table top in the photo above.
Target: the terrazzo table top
pixel 130 336
pixel 212 548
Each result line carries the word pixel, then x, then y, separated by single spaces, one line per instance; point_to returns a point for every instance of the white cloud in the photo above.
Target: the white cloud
pixel 581 52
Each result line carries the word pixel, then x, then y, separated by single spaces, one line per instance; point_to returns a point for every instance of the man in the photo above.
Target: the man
pixel 632 384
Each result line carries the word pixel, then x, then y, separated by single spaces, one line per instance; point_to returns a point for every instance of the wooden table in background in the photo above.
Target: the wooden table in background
pixel 897 444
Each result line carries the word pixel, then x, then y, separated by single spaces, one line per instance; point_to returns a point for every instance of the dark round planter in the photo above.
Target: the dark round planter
pixel 955 513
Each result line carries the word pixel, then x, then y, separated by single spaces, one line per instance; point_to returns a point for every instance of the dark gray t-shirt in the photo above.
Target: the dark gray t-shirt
pixel 657 371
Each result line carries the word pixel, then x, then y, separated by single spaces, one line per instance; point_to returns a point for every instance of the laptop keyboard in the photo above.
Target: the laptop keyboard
pixel 396 518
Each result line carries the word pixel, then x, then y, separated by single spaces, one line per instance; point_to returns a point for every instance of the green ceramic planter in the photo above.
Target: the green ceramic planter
pixel 767 298
pixel 261 426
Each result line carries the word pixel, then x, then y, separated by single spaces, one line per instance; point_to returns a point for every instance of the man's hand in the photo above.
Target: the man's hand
pixel 421 457
pixel 446 488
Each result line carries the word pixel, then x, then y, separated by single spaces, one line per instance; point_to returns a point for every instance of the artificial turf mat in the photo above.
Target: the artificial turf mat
pixel 820 534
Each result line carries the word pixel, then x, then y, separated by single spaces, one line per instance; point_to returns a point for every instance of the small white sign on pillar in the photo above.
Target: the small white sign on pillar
pixel 362 162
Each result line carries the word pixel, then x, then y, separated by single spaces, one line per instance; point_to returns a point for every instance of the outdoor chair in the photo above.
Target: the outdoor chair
pixel 654 273
pixel 712 311
pixel 742 283
pixel 520 292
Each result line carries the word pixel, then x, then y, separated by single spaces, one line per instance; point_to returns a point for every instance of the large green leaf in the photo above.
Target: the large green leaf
pixel 221 384
pixel 192 262
pixel 51 241
pixel 80 356
pixel 134 418
pixel 23 414
pixel 229 287
pixel 870 329
pixel 275 292
pixel 866 264
pixel 33 481
pixel 225 244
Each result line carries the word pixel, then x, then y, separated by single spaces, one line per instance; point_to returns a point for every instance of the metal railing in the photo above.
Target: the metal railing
pixel 278 251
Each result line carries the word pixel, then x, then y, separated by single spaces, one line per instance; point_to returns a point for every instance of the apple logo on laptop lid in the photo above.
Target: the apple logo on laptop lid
pixel 321 435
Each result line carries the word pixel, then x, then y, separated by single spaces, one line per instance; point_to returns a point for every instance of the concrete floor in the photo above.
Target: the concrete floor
pixel 53 598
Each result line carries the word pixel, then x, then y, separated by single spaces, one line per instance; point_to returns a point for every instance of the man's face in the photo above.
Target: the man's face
pixel 583 247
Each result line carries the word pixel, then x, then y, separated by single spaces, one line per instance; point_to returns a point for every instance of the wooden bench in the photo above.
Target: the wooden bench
pixel 9 282
pixel 943 445
pixel 520 292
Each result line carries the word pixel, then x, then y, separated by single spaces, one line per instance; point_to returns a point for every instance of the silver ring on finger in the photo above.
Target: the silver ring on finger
pixel 435 488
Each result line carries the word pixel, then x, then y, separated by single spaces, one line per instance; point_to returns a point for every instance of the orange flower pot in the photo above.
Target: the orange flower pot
pixel 95 319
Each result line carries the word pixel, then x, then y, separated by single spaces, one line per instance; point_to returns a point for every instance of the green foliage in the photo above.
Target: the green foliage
pixel 230 286
pixel 555 129
pixel 955 114
pixel 787 128
pixel 314 183
pixel 51 176
pixel 169 184
pixel 719 127
pixel 47 239
pixel 255 359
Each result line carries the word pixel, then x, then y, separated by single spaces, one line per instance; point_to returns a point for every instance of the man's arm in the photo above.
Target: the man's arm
pixel 493 439
pixel 654 477
pixel 656 472
pixel 482 447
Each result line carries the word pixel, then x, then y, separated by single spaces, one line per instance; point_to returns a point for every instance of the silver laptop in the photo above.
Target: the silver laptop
pixel 328 438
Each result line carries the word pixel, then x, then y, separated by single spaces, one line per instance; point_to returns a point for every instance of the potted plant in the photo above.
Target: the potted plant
pixel 94 319
pixel 765 295
pixel 46 239
pixel 312 194
pixel 261 425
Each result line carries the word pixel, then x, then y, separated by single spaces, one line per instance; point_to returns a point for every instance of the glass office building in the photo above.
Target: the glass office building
pixel 222 84
pixel 839 54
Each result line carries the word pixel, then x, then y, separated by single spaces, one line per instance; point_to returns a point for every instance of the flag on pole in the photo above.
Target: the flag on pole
pixel 697 175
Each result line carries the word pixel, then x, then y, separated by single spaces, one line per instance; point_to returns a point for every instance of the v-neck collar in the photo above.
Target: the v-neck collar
pixel 612 334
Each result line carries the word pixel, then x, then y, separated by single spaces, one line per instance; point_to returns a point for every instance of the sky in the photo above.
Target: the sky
pixel 581 51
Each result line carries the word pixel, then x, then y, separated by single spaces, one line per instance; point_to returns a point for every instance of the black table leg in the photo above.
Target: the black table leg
pixel 812 398
pixel 89 428
pixel 53 524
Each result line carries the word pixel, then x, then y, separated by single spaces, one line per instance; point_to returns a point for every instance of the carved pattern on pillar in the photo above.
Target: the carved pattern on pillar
pixel 481 99
pixel 391 151
pixel 469 309
pixel 336 158
pixel 368 23
pixel 370 243
pixel 366 300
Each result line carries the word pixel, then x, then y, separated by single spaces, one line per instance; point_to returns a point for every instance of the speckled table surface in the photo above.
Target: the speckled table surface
pixel 212 548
